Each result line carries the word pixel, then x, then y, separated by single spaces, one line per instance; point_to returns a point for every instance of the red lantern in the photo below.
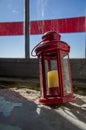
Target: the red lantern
pixel 54 69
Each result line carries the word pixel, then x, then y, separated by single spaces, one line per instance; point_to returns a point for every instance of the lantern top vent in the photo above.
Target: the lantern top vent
pixel 51 35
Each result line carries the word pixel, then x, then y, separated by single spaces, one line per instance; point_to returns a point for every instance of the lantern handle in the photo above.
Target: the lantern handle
pixel 33 50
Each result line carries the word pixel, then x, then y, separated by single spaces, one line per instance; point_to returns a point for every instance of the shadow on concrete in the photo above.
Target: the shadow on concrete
pixel 79 110
pixel 32 116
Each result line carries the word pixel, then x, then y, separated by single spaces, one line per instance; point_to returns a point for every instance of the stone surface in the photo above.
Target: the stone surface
pixel 25 112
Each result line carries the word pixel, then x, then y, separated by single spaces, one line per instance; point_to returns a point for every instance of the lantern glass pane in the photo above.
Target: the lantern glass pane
pixel 53 65
pixel 51 74
pixel 40 73
pixel 66 74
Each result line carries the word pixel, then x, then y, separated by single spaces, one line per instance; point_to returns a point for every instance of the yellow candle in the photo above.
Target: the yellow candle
pixel 53 79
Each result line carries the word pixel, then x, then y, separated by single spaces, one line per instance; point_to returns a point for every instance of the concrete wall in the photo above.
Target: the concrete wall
pixel 78 68
pixel 21 68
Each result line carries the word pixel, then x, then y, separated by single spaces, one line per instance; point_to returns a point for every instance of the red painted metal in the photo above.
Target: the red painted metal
pixel 50 48
pixel 66 25
pixel 57 100
pixel 60 71
pixel 11 28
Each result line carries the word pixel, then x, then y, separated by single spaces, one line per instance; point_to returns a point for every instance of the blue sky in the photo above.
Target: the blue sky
pixel 13 10
pixel 51 9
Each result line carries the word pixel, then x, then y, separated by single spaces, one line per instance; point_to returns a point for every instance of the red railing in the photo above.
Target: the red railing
pixel 66 25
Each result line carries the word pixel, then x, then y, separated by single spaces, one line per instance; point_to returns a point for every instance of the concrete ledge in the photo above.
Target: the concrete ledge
pixel 19 68
pixel 28 69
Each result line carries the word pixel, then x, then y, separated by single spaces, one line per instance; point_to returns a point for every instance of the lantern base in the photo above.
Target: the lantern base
pixel 57 100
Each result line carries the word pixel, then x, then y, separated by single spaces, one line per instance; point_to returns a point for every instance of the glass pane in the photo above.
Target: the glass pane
pixel 66 76
pixel 59 9
pixel 34 40
pixel 11 10
pixel 77 44
pixel 12 46
pixel 53 9
pixel 52 80
pixel 40 74
pixel 53 65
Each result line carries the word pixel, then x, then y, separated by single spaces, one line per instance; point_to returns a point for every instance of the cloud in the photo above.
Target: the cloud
pixel 15 11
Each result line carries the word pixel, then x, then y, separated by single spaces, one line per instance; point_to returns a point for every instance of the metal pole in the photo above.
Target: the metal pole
pixel 26 29
pixel 85 34
pixel 85 46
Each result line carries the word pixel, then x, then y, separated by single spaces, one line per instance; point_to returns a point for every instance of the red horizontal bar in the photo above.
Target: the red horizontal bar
pixel 11 28
pixel 66 25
